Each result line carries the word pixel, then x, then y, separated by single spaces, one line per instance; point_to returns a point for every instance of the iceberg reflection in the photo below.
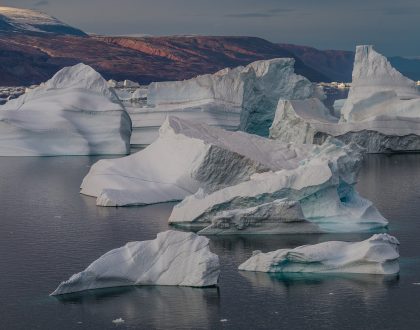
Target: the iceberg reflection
pixel 154 306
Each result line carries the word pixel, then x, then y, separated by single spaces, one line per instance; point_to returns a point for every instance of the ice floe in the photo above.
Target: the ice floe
pixel 376 255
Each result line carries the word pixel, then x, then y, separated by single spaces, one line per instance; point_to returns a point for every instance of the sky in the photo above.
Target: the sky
pixel 392 26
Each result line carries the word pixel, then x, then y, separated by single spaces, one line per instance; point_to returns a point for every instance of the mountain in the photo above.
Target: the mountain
pixel 16 20
pixel 34 45
pixel 189 56
pixel 29 59
pixel 335 64
pixel 409 67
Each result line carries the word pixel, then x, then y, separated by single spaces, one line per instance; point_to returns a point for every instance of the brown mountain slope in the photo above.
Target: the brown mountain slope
pixel 34 45
pixel 204 54
pixel 28 59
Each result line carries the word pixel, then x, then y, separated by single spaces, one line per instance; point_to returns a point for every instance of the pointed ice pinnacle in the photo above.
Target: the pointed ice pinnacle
pixel 381 113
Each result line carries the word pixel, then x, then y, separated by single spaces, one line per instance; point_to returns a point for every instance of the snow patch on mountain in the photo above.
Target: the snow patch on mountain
pixel 28 20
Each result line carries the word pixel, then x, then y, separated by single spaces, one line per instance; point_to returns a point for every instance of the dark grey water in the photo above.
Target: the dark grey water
pixel 48 232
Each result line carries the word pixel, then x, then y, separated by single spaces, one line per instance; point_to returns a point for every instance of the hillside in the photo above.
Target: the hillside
pixel 34 45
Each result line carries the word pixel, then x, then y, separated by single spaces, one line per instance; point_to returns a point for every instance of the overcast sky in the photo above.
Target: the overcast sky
pixel 391 25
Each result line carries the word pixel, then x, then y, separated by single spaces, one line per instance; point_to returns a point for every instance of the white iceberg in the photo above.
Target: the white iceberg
pixel 323 185
pixel 74 113
pixel 241 98
pixel 124 95
pixel 187 156
pixel 375 81
pixel 173 258
pixel 131 96
pixel 381 113
pixel 376 255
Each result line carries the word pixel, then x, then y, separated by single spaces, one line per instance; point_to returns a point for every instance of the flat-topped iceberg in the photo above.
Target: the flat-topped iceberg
pixel 187 156
pixel 323 185
pixel 376 255
pixel 242 98
pixel 173 258
pixel 73 113
pixel 381 113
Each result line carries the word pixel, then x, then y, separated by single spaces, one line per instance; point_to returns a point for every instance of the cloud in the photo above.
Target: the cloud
pixel 41 3
pixel 268 13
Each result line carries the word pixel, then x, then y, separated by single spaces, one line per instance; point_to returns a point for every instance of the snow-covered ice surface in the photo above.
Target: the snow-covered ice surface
pixel 187 156
pixel 29 20
pixel 173 258
pixel 295 120
pixel 381 113
pixel 281 216
pixel 376 255
pixel 241 98
pixel 73 113
pixel 322 184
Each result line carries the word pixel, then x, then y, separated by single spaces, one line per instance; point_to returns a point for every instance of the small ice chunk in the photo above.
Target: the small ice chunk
pixel 118 321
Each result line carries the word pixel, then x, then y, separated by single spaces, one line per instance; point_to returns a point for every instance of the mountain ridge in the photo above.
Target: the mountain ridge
pixel 34 45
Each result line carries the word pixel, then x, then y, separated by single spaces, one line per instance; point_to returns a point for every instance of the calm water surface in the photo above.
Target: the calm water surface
pixel 49 231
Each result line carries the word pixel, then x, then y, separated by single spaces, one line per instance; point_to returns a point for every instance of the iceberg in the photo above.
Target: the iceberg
pixel 242 98
pixel 173 258
pixel 187 156
pixel 381 112
pixel 73 113
pixel 131 96
pixel 376 255
pixel 375 81
pixel 323 185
